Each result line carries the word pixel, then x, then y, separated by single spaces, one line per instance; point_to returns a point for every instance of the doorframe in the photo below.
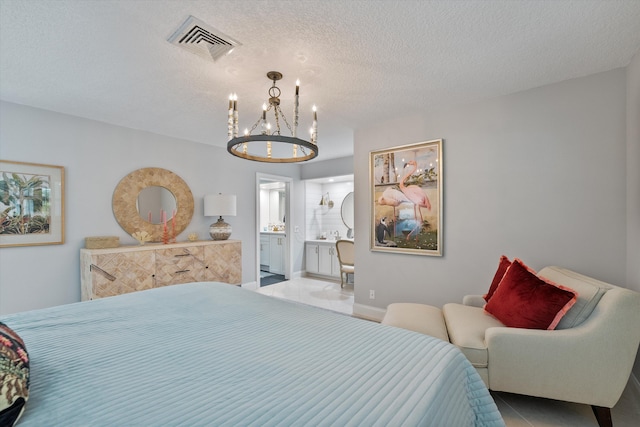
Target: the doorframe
pixel 288 259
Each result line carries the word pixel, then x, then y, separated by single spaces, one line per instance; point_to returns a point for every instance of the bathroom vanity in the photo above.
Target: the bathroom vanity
pixel 272 251
pixel 321 258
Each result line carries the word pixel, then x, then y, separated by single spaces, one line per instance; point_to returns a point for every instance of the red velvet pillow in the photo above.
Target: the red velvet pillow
pixel 502 268
pixel 524 300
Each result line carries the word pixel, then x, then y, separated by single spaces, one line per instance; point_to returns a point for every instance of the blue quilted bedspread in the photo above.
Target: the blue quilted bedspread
pixel 212 354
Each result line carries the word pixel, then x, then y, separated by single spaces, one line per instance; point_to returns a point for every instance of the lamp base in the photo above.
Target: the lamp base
pixel 220 230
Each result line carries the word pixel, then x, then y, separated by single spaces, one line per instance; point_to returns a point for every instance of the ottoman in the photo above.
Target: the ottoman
pixel 421 318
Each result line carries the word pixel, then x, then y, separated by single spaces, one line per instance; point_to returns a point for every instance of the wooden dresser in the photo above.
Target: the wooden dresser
pixel 108 272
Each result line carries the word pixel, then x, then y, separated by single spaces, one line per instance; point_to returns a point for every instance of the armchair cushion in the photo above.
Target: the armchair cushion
pixel 466 326
pixel 523 300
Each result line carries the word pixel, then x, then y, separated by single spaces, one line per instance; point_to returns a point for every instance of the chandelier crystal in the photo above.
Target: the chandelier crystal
pixel 270 145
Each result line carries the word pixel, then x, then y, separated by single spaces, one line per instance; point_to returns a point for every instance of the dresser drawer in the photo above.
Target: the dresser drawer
pixel 179 265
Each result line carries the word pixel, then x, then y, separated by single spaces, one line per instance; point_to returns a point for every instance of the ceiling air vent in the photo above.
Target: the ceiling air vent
pixel 202 39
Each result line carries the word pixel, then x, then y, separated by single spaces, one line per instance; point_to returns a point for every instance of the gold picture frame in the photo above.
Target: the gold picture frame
pixel 31 204
pixel 406 199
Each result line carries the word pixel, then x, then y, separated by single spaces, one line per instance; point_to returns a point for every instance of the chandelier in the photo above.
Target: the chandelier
pixel 269 145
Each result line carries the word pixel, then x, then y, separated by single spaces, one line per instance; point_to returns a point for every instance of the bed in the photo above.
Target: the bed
pixel 212 354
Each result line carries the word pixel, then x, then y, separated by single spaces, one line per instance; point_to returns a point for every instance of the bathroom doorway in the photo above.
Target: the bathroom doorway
pixel 273 217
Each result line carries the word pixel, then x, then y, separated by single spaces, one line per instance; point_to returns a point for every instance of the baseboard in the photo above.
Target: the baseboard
pixel 368 312
pixel 252 286
pixel 321 276
pixel 316 276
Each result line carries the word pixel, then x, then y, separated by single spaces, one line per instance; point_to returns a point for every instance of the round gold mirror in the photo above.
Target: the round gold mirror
pixel 166 188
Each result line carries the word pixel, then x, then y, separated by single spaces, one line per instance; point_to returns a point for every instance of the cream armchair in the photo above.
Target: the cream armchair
pixel 587 359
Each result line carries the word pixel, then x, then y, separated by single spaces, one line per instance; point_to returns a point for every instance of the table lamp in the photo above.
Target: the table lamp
pixel 219 205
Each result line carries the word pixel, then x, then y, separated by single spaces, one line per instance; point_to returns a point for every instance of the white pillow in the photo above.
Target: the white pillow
pixel 589 293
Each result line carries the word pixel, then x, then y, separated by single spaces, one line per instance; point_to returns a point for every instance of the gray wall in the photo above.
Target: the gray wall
pixel 96 156
pixel 633 173
pixel 539 175
pixel 633 181
pixel 327 168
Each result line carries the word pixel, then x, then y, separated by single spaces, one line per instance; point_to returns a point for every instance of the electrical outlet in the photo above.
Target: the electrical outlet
pixel 296 229
pixel 372 294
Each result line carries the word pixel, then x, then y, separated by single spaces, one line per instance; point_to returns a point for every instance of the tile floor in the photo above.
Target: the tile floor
pixel 517 410
pixel 319 293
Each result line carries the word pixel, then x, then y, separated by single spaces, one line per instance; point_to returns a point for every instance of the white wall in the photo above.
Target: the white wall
pixel 96 156
pixel 313 217
pixel 323 219
pixel 538 175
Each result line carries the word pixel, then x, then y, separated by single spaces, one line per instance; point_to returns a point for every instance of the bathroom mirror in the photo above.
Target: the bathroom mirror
pixel 276 206
pixel 139 185
pixel 272 204
pixel 347 213
pixel 281 204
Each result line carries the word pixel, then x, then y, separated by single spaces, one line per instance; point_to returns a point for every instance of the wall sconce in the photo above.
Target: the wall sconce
pixel 218 205
pixel 326 201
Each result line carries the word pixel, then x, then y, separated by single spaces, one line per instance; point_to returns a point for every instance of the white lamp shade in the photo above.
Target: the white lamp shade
pixel 220 205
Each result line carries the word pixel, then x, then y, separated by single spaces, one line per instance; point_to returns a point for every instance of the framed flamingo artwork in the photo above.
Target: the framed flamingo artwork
pixel 406 196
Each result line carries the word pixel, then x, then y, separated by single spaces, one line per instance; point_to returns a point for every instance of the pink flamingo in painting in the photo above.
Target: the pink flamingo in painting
pixel 415 194
pixel 394 198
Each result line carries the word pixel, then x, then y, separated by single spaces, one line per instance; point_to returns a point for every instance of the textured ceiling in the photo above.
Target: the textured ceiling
pixel 360 62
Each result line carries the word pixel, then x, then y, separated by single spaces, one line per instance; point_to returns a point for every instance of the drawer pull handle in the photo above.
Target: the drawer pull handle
pixel 182 271
pixel 187 253
pixel 183 255
pixel 104 273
